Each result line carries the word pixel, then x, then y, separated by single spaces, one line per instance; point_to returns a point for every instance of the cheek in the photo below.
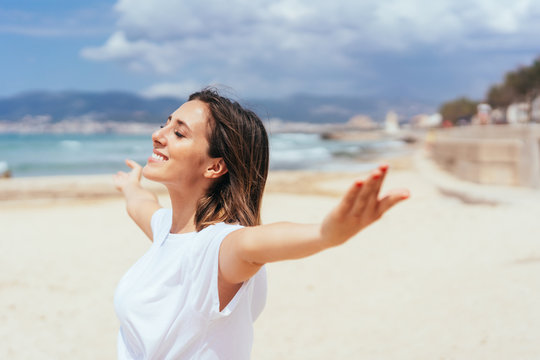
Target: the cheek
pixel 190 160
pixel 202 160
pixel 197 156
pixel 189 155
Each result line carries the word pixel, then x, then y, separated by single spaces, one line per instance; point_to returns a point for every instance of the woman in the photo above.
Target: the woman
pixel 197 291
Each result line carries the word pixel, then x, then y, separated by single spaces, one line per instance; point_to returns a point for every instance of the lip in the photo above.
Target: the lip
pixel 152 160
pixel 160 154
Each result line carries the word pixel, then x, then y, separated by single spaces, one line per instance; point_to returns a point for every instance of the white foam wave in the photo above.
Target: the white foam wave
pixel 70 144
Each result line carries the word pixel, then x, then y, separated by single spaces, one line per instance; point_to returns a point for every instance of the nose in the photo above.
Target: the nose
pixel 158 137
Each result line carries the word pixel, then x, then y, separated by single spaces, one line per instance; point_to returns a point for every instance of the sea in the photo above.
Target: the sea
pixel 28 155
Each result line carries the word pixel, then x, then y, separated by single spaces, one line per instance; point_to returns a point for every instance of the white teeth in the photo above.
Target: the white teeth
pixel 157 157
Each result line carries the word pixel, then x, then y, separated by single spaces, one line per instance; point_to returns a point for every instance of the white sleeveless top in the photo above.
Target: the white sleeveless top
pixel 168 302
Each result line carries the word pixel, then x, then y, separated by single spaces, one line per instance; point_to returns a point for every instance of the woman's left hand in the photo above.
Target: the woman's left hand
pixel 360 207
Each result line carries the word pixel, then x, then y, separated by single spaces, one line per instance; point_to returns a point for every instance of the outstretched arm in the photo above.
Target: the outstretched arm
pixel 244 251
pixel 140 203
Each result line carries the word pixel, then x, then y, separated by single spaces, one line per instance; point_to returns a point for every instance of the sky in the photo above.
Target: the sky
pixel 426 49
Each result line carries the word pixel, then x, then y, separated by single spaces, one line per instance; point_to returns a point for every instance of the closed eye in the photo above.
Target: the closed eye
pixel 167 123
pixel 180 135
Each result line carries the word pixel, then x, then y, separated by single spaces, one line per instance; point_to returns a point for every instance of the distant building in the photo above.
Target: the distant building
pixel 517 113
pixel 424 121
pixel 498 116
pixel 482 116
pixel 391 123
pixel 535 109
pixel 362 122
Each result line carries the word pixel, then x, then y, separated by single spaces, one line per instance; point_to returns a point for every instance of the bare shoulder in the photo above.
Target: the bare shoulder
pixel 234 268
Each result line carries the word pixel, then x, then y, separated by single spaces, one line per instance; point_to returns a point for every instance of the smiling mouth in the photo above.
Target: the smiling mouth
pixel 159 157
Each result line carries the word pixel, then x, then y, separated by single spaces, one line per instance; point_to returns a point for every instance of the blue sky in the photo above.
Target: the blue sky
pixel 435 50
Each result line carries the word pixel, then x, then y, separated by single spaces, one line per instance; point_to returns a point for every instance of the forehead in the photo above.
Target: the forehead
pixel 194 114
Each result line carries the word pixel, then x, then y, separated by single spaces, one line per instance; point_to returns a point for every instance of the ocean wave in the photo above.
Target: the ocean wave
pixel 78 154
pixel 70 144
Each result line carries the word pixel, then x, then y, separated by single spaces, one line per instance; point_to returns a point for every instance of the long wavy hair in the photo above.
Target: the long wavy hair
pixel 239 137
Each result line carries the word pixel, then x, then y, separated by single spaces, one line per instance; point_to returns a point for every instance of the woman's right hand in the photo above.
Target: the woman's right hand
pixel 141 203
pixel 123 179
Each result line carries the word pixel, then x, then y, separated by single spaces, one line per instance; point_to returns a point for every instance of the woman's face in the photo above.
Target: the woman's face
pixel 180 156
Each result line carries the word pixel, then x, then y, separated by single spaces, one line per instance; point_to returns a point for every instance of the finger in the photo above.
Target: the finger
pixel 373 198
pixel 383 169
pixel 367 190
pixel 349 199
pixel 391 199
pixel 117 180
pixel 132 164
pixel 137 169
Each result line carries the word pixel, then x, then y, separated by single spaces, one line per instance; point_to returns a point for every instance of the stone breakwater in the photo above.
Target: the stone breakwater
pixel 493 154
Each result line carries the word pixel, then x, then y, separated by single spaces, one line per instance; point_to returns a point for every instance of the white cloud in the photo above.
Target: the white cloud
pixel 176 89
pixel 139 55
pixel 299 44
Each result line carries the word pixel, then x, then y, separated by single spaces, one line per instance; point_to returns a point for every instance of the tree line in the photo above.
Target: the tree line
pixel 520 85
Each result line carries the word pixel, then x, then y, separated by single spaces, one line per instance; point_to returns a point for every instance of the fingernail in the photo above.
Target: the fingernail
pixel 377 175
pixel 384 167
pixel 359 184
pixel 405 196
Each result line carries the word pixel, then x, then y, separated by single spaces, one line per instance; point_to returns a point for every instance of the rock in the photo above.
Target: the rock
pixel 4 170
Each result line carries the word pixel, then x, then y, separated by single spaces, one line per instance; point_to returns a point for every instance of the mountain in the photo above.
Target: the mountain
pixel 129 107
pixel 118 106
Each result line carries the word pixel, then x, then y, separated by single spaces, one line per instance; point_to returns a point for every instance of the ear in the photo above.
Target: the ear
pixel 216 169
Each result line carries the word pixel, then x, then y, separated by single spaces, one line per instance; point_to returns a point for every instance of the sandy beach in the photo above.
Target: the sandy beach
pixel 452 273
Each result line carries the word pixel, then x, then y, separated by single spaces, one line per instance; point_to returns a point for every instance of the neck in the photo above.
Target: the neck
pixel 184 207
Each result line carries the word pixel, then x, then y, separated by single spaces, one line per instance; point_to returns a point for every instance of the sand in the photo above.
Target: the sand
pixel 453 273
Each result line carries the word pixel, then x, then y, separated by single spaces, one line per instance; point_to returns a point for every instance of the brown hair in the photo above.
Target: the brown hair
pixel 238 136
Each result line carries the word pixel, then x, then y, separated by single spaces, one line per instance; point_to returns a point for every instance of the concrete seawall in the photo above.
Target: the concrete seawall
pixel 494 154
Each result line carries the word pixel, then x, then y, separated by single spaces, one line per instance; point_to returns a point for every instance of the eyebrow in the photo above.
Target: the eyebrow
pixel 180 123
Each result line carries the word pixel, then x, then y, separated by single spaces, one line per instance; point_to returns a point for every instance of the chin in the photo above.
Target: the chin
pixel 148 173
pixel 153 174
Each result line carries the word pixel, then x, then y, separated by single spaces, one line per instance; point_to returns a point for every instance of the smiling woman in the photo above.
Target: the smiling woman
pixel 202 283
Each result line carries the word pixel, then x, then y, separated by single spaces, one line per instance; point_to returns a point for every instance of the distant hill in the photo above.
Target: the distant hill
pixel 118 106
pixel 129 107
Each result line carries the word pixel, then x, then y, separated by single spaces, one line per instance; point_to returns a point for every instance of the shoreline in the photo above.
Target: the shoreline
pixel 100 186
pixel 69 188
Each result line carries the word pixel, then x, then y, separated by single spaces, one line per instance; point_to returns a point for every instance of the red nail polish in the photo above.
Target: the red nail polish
pixel 384 167
pixel 359 183
pixel 376 176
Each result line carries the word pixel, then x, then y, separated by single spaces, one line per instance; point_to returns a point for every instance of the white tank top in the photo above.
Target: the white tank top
pixel 168 302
